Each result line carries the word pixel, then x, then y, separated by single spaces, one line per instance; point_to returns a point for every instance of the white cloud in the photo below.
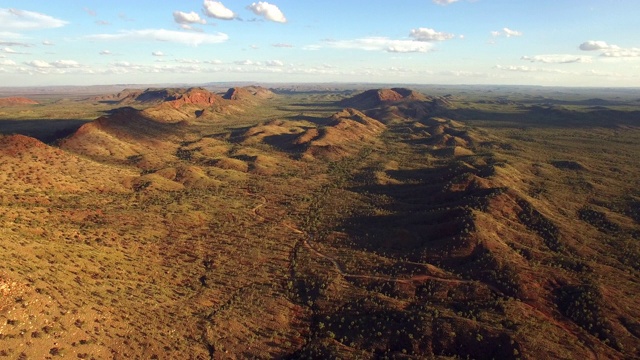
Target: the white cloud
pixel 188 61
pixel 157 53
pixel 619 53
pixel 519 68
pixel 39 64
pixel 66 64
pixel 444 2
pixel 214 62
pixel 509 33
pixel 282 45
pixel 527 69
pixel 105 52
pixel 245 62
pixel 18 20
pixel 381 44
pixel 558 59
pixel 609 50
pixel 124 64
pixel 506 32
pixel 190 38
pixel 102 22
pixel 47 43
pixel 7 62
pixel 9 50
pixel 274 63
pixel 464 73
pixel 268 11
pixel 592 45
pixel 187 18
pixel 426 34
pixel 216 9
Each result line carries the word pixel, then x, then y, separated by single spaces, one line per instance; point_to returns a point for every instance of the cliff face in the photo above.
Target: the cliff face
pixel 196 96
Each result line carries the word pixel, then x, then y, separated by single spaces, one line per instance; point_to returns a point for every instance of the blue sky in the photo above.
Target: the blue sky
pixel 544 42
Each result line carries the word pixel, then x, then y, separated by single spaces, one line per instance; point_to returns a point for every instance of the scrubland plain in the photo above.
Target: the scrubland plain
pixel 307 223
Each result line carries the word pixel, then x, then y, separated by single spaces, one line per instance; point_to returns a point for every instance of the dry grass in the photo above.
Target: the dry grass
pixel 277 228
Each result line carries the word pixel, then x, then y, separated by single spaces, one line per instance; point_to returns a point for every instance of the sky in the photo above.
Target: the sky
pixel 593 43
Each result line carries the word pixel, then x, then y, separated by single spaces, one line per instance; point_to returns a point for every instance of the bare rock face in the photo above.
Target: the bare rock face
pixel 196 96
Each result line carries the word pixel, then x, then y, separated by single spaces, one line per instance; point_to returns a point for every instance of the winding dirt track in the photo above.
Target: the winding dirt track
pixel 416 278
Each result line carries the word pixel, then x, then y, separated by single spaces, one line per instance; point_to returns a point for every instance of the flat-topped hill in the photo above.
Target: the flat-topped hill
pixel 376 97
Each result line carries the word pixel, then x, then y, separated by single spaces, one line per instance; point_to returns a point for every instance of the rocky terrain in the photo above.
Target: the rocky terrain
pixel 186 223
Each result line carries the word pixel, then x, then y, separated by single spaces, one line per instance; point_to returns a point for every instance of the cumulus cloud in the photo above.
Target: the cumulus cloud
pixel 39 64
pixel 557 59
pixel 617 53
pixel 7 63
pixel 184 18
pixel 245 62
pixel 381 44
pixel 18 20
pixel 188 38
pixel 105 52
pixel 58 64
pixel 216 9
pixel 444 2
pixel 506 32
pixel 268 11
pixel 157 53
pixel 215 62
pixel 592 45
pixel 426 34
pixel 609 50
pixel 47 43
pixel 519 68
pixel 274 63
pixel 66 64
pixel 124 64
pixel 282 45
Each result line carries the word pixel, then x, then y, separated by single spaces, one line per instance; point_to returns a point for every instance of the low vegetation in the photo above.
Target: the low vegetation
pixel 256 223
